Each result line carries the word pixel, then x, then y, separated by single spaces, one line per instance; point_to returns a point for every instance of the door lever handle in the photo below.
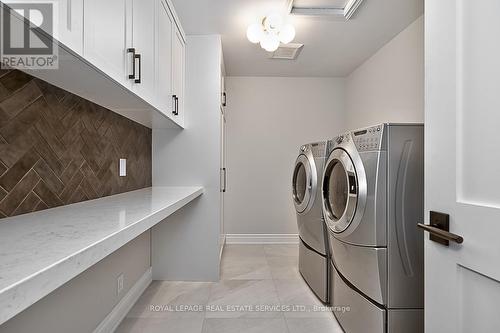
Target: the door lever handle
pixel 442 234
pixel 439 229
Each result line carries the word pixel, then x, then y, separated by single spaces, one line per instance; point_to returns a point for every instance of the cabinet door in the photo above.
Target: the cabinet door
pixel 165 26
pixel 222 236
pixel 71 24
pixel 144 44
pixel 179 52
pixel 69 21
pixel 108 34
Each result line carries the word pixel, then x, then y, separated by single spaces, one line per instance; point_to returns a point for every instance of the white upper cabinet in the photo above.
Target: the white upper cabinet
pixel 68 22
pixel 171 53
pixel 139 45
pixel 178 77
pixel 108 36
pixel 165 31
pixel 71 24
pixel 143 82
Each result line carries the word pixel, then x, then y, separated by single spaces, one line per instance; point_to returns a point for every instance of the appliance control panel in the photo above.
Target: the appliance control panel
pixel 368 139
pixel 338 140
pixel 317 149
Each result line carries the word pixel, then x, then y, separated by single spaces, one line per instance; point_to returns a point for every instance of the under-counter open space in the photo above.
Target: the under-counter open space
pixel 41 251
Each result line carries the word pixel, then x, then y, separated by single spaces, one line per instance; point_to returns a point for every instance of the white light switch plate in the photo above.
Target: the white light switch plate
pixel 123 167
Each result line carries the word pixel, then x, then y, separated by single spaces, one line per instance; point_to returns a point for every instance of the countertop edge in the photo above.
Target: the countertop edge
pixel 26 292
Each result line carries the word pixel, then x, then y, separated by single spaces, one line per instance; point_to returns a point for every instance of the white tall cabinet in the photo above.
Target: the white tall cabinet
pixel 186 246
pixel 223 167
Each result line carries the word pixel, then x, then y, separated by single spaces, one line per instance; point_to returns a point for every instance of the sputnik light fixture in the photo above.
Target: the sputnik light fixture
pixel 270 32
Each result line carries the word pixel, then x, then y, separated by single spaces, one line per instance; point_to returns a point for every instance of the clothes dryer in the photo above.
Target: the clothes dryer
pixel 373 197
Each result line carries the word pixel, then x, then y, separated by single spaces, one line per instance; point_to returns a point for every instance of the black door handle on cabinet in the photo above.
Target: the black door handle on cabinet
pixel 174 97
pixel 138 56
pixel 175 105
pixel 132 50
pixel 225 180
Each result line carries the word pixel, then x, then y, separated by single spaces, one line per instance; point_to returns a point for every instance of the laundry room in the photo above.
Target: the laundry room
pixel 284 166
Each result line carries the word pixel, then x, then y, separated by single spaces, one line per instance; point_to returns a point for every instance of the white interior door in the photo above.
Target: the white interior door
pixel 462 282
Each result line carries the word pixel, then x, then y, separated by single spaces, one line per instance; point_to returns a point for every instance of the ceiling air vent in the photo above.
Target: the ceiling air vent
pixel 288 51
pixel 344 9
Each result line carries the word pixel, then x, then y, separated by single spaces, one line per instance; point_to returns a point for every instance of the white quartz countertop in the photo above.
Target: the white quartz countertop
pixel 41 251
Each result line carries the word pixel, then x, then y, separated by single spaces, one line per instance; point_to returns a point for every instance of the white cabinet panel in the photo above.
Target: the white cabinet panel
pixel 71 24
pixel 68 20
pixel 164 59
pixel 144 44
pixel 179 53
pixel 108 34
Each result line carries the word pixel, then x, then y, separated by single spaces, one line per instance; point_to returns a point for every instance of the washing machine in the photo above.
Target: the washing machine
pixel 373 197
pixel 314 254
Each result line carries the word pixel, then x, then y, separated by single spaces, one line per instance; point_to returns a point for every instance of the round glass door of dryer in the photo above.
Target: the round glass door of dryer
pixel 340 191
pixel 303 183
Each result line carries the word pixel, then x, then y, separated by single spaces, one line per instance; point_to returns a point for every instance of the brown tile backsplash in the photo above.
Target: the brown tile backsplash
pixel 57 148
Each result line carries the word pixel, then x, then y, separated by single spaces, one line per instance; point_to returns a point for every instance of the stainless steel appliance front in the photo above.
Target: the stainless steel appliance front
pixel 314 251
pixel 377 252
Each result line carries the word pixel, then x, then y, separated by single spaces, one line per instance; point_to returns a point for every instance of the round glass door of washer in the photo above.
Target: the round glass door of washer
pixel 340 191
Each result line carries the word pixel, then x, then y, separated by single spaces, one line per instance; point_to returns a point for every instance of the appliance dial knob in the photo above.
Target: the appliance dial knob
pixel 303 148
pixel 340 139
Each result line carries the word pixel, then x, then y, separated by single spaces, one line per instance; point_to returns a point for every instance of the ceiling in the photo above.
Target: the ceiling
pixel 331 47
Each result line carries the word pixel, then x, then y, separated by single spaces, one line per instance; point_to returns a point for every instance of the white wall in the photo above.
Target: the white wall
pixel 185 245
pixel 82 303
pixel 389 87
pixel 268 118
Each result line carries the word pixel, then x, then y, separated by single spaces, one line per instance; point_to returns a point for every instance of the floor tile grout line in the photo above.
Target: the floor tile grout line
pixel 281 316
pixel 23 108
pixel 286 324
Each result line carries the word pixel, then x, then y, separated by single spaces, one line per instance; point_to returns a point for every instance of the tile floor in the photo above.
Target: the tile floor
pixel 260 291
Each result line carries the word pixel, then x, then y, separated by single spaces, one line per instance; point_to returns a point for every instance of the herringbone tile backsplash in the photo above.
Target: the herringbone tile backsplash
pixel 57 148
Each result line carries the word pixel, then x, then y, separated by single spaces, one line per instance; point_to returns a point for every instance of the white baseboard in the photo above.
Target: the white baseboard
pixel 262 239
pixel 115 317
pixel 222 243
